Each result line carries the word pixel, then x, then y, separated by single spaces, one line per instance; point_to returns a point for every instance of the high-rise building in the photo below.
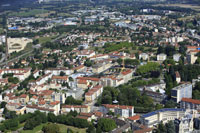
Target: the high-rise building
pixel 181 91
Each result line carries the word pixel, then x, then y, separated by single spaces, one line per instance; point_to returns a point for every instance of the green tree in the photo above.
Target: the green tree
pixel 106 124
pixel 51 128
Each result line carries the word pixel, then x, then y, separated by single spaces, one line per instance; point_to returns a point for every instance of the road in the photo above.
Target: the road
pixel 16 58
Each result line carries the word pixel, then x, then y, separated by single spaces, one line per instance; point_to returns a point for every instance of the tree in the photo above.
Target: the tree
pixel 62 73
pixel 71 101
pixel 170 127
pixel 51 128
pixel 106 124
pixel 51 117
pixel 91 129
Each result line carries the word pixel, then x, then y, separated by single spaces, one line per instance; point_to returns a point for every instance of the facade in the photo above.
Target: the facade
pixel 78 108
pixel 184 125
pixel 161 57
pixel 143 56
pixel 181 91
pixel 191 58
pixel 188 103
pixel 178 77
pixel 93 93
pixel 153 118
pixel 122 110
pixel 176 57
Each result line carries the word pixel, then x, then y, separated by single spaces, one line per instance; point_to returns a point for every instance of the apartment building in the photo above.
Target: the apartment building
pixel 188 103
pixel 78 108
pixel 122 110
pixel 93 93
pixel 154 118
pixel 181 91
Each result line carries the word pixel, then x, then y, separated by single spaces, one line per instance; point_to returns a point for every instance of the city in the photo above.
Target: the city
pixel 100 66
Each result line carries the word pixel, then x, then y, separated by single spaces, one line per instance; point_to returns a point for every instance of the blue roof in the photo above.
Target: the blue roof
pixel 161 110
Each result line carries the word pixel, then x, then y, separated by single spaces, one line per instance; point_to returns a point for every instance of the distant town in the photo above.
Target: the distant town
pixel 100 66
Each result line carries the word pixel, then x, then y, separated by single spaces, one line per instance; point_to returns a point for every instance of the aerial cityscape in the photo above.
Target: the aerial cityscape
pixel 97 66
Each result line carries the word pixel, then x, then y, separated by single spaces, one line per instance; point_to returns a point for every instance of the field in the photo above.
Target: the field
pixel 63 129
pixel 45 39
pixel 27 13
pixel 197 8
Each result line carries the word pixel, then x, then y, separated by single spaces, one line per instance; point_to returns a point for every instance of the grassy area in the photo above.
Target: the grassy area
pixel 35 130
pixel 45 39
pixel 194 7
pixel 63 129
pixel 28 12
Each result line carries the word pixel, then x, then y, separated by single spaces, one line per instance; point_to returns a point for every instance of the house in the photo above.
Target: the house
pixel 36 73
pixel 83 82
pixel 78 108
pixel 80 68
pixel 24 99
pixel 176 57
pixel 122 110
pixel 126 75
pixel 43 79
pixel 21 74
pixel 17 107
pixel 93 93
pixel 191 57
pixel 161 57
pixel 134 118
pixel 178 77
pixel 143 56
pixel 87 116
pixel 57 71
pixel 60 79
pixel 86 53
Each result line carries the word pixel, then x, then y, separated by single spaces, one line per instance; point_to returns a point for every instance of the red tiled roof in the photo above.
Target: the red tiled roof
pixel 189 100
pixel 135 117
pixel 23 96
pixel 82 81
pixel 86 114
pixel 126 72
pixel 54 103
pixel 82 117
pixel 117 106
pixel 60 77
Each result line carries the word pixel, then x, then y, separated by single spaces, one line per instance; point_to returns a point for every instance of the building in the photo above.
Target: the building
pixel 185 124
pixel 181 91
pixel 111 80
pixel 188 103
pixel 93 93
pixel 161 57
pixel 78 108
pixel 178 77
pixel 143 56
pixel 191 58
pixel 101 66
pixel 121 110
pixel 154 118
pixel 176 57
pixel 126 75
